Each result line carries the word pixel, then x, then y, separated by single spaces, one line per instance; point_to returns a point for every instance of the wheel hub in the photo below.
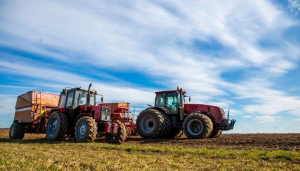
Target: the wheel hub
pixel 82 130
pixel 52 126
pixel 147 124
pixel 195 127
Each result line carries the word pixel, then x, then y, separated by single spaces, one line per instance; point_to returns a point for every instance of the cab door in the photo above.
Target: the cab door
pixel 70 103
pixel 172 102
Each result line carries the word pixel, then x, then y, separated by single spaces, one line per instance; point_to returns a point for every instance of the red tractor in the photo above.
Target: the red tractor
pixel 79 117
pixel 171 115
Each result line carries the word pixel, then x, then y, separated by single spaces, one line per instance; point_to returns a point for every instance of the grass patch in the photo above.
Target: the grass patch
pixel 42 154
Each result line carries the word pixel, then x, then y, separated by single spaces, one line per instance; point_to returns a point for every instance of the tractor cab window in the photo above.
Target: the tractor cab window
pixel 172 102
pixel 93 99
pixel 70 99
pixel 160 100
pixel 82 98
pixel 62 101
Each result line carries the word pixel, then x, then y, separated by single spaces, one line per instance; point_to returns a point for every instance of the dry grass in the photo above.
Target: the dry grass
pixel 39 154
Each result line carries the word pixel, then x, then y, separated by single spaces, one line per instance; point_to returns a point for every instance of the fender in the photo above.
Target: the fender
pixel 63 110
pixel 162 109
pixel 78 117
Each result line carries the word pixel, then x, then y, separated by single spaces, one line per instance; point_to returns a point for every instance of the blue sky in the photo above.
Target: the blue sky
pixel 242 55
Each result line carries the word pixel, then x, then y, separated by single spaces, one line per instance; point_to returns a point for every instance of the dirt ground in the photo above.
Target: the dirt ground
pixel 225 141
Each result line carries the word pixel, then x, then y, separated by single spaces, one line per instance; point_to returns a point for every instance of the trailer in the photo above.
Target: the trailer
pixel 31 114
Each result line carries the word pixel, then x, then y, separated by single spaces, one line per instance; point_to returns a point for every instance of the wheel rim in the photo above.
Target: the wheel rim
pixel 52 127
pixel 195 127
pixel 82 130
pixel 12 130
pixel 147 124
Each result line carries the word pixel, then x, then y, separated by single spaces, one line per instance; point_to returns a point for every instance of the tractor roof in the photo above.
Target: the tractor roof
pixel 166 91
pixel 80 88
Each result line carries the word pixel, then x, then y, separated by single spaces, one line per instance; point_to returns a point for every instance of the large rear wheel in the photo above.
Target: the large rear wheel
pixel 57 126
pixel 119 137
pixel 152 123
pixel 17 131
pixel 197 125
pixel 86 129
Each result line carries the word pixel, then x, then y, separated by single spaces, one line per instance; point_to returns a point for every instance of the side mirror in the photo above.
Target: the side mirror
pixel 101 99
pixel 65 91
pixel 190 99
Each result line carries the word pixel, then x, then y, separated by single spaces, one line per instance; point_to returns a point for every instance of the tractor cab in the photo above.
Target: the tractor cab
pixel 75 97
pixel 173 100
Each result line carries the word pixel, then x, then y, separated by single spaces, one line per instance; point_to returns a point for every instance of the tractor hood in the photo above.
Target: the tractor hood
pixel 190 108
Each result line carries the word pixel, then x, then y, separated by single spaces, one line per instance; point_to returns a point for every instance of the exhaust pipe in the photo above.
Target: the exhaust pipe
pixel 88 101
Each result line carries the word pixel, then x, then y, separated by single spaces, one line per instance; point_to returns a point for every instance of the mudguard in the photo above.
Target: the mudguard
pixel 163 109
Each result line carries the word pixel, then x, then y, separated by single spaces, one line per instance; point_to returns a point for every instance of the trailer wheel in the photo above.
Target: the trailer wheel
pixel 153 123
pixel 134 132
pixel 57 126
pixel 86 129
pixel 215 133
pixel 118 138
pixel 128 131
pixel 17 131
pixel 198 126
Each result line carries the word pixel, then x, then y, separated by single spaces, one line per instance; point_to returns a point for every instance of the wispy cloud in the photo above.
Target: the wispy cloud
pixel 294 6
pixel 267 119
pixel 194 45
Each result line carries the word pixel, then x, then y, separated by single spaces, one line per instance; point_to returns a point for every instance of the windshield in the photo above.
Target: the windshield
pixel 70 99
pixel 82 98
pixel 62 101
pixel 169 100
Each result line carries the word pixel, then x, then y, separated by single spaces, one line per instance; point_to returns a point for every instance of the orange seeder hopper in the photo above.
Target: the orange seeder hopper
pixel 33 107
pixel 121 111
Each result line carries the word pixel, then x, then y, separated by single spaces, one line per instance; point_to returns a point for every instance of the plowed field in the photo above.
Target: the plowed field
pixel 228 152
pixel 225 141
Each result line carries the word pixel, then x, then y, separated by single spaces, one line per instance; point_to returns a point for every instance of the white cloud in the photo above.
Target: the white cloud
pixel 294 6
pixel 158 39
pixel 7 103
pixel 267 101
pixel 55 80
pixel 267 119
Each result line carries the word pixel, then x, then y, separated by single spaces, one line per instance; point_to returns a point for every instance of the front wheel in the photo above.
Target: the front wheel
pixel 57 126
pixel 198 126
pixel 86 129
pixel 17 131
